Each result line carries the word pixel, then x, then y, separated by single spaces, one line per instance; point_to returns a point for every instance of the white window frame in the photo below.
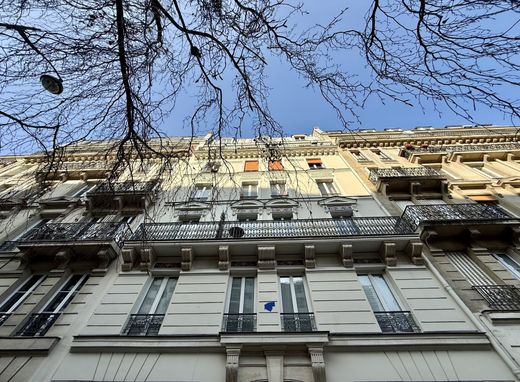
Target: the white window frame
pixel 249 190
pixel 514 271
pixel 329 188
pixel 202 191
pixel 242 294
pixel 279 187
pixel 22 298
pixel 158 296
pixel 293 295
pixel 66 300
pixel 380 294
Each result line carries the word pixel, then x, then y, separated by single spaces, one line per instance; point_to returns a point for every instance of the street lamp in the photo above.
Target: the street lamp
pixel 51 84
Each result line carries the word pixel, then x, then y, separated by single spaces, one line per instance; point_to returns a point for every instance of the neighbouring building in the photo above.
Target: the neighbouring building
pixel 336 256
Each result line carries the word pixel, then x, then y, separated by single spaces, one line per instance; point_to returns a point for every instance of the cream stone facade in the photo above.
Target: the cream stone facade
pixel 375 256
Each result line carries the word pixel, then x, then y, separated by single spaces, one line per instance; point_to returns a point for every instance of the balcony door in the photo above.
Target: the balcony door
pixel 295 306
pixel 19 296
pixel 240 315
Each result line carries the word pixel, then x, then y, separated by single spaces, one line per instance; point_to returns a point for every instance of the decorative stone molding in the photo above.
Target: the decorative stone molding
pixel 515 234
pixel 414 251
pixel 274 363
pixel 310 256
pixel 266 257
pixel 104 257
pixel 223 257
pixel 317 363
pixel 346 255
pixel 148 258
pixel 388 253
pixel 129 256
pixel 62 259
pixel 186 258
pixel 232 356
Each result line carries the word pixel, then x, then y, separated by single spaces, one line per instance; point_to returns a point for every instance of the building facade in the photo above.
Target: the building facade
pixel 375 256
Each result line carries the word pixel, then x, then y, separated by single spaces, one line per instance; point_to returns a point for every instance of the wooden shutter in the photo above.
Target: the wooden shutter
pixel 275 165
pixel 251 165
pixel 314 161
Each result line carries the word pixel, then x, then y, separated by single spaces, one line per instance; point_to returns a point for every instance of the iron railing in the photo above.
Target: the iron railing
pixel 127 187
pixel 415 216
pixel 298 322
pixel 38 324
pixel 404 172
pixel 4 317
pixel 8 246
pixel 500 297
pixel 263 229
pixel 239 322
pixel 396 322
pixel 460 148
pixel 143 325
pixel 73 232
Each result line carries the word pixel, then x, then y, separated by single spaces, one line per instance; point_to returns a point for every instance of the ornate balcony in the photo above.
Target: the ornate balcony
pixel 442 214
pixel 500 297
pixel 8 246
pixel 407 181
pixel 143 325
pixel 120 196
pixel 298 322
pixel 239 322
pixel 396 322
pixel 4 317
pixel 38 324
pixel 440 150
pixel 356 226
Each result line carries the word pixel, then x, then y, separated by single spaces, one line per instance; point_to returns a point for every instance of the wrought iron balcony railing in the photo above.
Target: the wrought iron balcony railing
pixel 415 216
pixel 4 317
pixel 73 232
pixel 143 325
pixel 404 172
pixel 396 322
pixel 123 188
pixel 38 324
pixel 500 297
pixel 460 148
pixel 298 322
pixel 265 229
pixel 239 322
pixel 8 246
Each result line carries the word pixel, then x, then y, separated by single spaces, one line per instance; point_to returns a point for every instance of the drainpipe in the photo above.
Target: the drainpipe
pixel 479 323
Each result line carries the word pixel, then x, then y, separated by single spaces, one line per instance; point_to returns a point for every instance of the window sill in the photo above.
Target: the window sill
pixel 27 346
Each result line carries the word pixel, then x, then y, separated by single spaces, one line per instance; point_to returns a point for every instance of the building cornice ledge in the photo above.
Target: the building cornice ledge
pixel 27 346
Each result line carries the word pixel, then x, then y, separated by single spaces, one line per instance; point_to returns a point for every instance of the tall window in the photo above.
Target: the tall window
pixel 327 188
pixel 359 156
pixel 82 192
pixel 382 156
pixel 385 306
pixel 295 316
pixel 508 263
pixel 278 190
pixel 251 166
pixel 240 316
pixel 202 192
pixel 249 191
pixel 275 165
pixel 39 323
pixel 314 163
pixel 152 309
pixel 18 297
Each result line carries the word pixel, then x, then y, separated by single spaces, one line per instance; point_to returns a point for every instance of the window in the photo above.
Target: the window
pixel 278 190
pixel 201 193
pixel 508 263
pixel 359 156
pixel 387 310
pixel 486 172
pixel 82 192
pixel 327 188
pixel 240 316
pixel 251 166
pixel 295 309
pixel 315 164
pixel 381 155
pixel 152 309
pixel 18 297
pixel 249 191
pixel 211 167
pixel 275 165
pixel 39 323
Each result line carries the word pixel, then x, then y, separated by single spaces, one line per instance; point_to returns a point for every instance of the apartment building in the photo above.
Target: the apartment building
pixel 322 257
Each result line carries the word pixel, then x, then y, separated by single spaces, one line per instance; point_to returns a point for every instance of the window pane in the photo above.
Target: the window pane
pixel 249 295
pixel 59 299
pixel 385 294
pixel 234 298
pixel 322 188
pixel 147 303
pixel 299 289
pixel 166 296
pixel 370 292
pixel 14 300
pixel 508 263
pixel 287 303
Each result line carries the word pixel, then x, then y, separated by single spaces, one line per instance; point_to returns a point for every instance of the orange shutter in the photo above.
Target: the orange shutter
pixel 251 165
pixel 275 165
pixel 314 161
pixel 483 198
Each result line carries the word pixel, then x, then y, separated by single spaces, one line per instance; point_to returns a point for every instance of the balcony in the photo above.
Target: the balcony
pixel 38 324
pixel 93 169
pixel 396 322
pixel 298 322
pixel 403 181
pixel 500 297
pixel 239 322
pixel 143 325
pixel 3 317
pixel 318 228
pixel 8 246
pixel 121 196
pixel 443 214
